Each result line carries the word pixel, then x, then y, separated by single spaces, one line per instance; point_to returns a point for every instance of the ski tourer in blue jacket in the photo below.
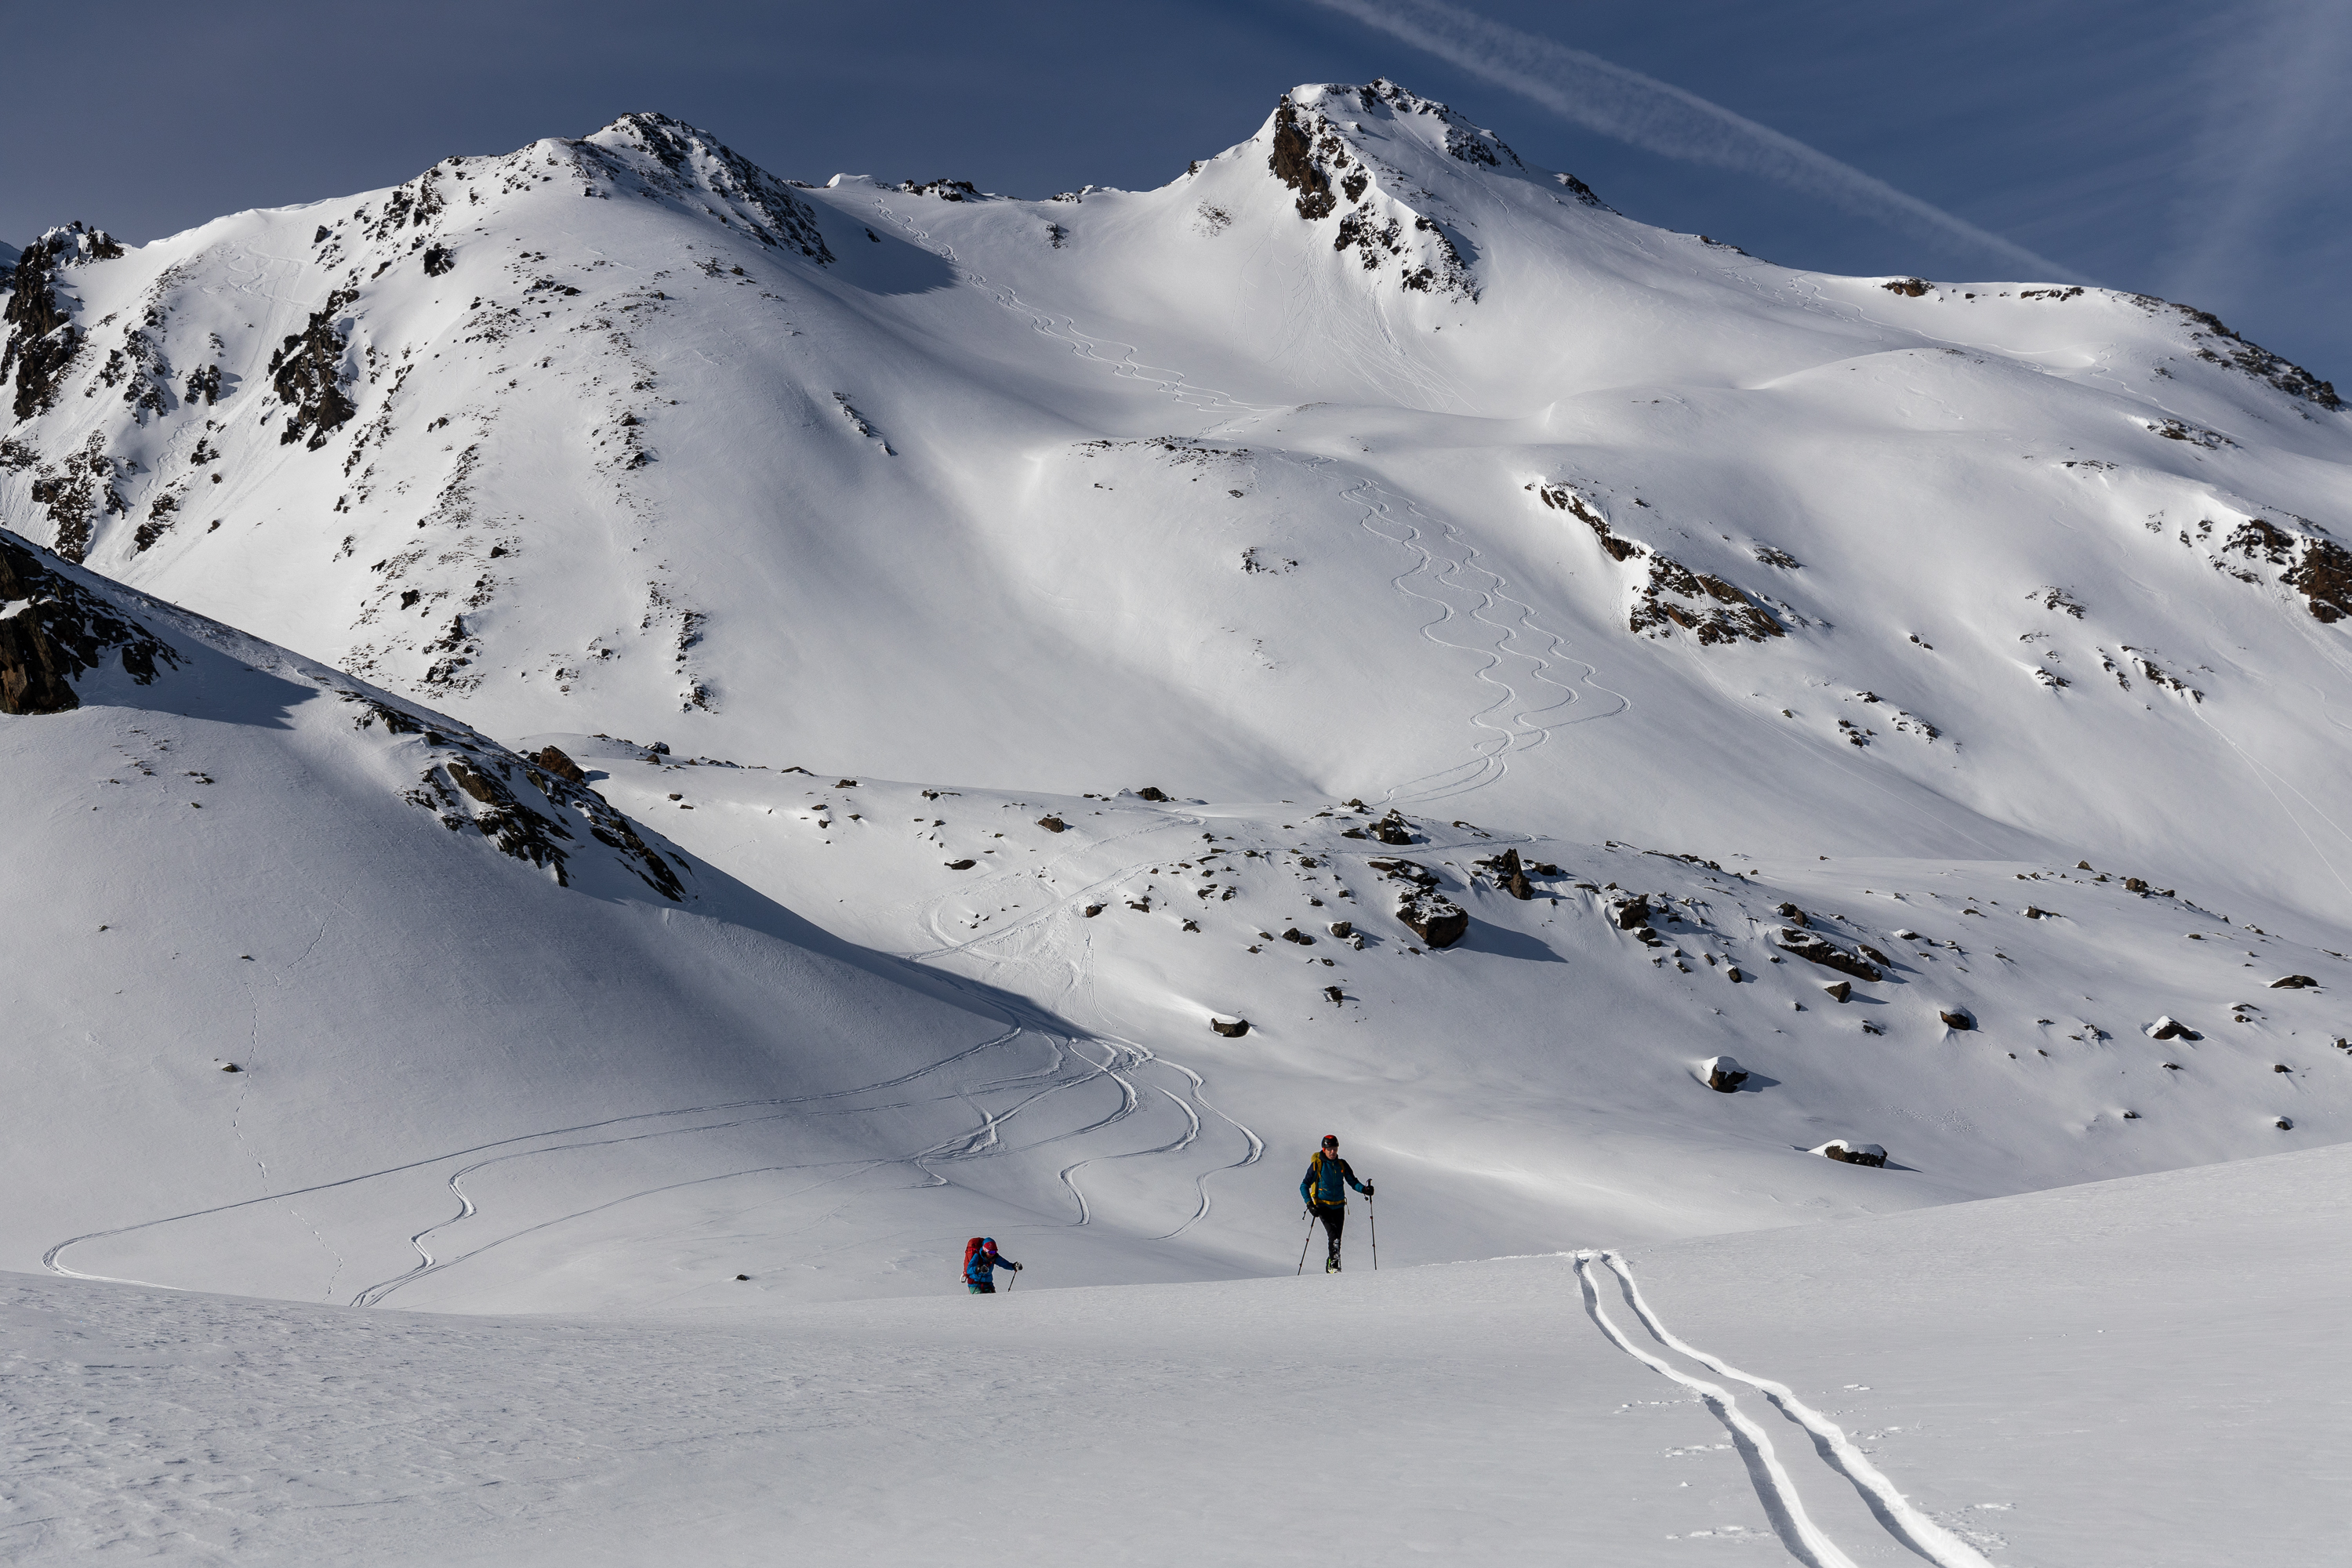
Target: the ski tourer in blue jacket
pixel 1324 1190
pixel 981 1262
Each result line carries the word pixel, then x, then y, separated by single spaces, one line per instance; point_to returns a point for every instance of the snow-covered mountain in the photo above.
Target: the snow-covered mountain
pixel 1526 620
pixel 1361 460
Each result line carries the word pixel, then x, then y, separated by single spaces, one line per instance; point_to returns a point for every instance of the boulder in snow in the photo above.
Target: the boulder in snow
pixel 1956 1020
pixel 2293 983
pixel 1815 949
pixel 1052 824
pixel 554 760
pixel 1233 1031
pixel 2168 1027
pixel 1851 1152
pixel 1839 990
pixel 1434 918
pixel 1723 1074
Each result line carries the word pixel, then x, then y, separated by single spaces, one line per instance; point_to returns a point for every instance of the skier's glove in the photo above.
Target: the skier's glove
pixel 1368 1189
pixel 1016 1269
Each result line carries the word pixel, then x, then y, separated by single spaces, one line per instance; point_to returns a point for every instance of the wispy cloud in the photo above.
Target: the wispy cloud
pixel 2274 117
pixel 1659 117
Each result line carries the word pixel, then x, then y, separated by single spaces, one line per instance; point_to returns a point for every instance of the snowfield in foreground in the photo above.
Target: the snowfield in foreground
pixel 2143 1373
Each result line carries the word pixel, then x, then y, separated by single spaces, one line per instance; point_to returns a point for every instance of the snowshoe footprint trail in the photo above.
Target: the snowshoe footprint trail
pixel 1901 1517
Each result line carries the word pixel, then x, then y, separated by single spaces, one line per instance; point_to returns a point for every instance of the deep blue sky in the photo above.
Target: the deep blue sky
pixel 2197 151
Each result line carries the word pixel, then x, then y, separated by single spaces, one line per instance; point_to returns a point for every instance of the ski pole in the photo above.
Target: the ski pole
pixel 1372 1218
pixel 1303 1246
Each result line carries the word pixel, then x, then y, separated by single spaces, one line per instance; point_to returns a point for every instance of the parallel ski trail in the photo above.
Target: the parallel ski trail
pixel 1774 1490
pixel 1902 1518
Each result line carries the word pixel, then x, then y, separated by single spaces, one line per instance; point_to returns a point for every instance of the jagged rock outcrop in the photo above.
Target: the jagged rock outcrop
pixel 1671 595
pixel 42 337
pixel 1723 1074
pixel 53 631
pixel 307 373
pixel 686 163
pixel 1329 161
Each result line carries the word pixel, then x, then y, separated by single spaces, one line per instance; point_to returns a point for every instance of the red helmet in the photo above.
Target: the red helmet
pixel 1331 1140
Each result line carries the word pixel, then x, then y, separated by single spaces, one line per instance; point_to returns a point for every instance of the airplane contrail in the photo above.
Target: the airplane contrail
pixel 1659 117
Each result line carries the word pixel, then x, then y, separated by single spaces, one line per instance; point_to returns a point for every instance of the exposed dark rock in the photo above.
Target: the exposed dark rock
pixel 552 758
pixel 2217 344
pixel 1343 929
pixel 2168 1027
pixel 307 373
pixel 1092 910
pixel 231 1067
pixel 1334 993
pixel 1300 937
pixel 2293 983
pixel 438 259
pixel 1735 974
pixel 1839 990
pixel 1913 287
pixel 1710 609
pixel 2285 1124
pixel 967 864
pixel 1292 163
pixel 1510 874
pixel 2324 578
pixel 1873 954
pixel 1434 918
pixel 62 631
pixel 1233 1031
pixel 42 339
pixel 1151 792
pixel 1053 824
pixel 1956 1020
pixel 1633 912
pixel 1724 1074
pixel 1851 1152
pixel 693 165
pixel 1392 829
pixel 1815 949
pixel 1793 915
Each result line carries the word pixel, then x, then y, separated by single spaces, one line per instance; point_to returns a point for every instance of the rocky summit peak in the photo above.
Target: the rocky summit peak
pixel 1376 161
pixel 661 155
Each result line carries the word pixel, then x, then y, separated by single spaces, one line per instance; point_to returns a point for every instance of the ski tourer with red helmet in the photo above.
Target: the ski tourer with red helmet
pixel 1325 1193
pixel 981 1262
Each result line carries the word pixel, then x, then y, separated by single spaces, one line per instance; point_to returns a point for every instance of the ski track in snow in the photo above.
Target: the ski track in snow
pixel 1897 1514
pixel 1774 1490
pixel 975 1143
pixel 1200 399
pixel 1527 726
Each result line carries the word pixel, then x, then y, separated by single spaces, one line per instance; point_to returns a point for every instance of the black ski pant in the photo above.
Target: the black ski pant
pixel 1335 1219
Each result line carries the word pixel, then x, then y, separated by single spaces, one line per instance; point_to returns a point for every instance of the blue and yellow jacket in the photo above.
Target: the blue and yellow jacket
pixel 1323 1188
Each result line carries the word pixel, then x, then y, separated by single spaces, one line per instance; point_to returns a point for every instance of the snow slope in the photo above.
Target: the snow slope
pixel 2140 1373
pixel 282 1018
pixel 1691 577
pixel 1363 459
